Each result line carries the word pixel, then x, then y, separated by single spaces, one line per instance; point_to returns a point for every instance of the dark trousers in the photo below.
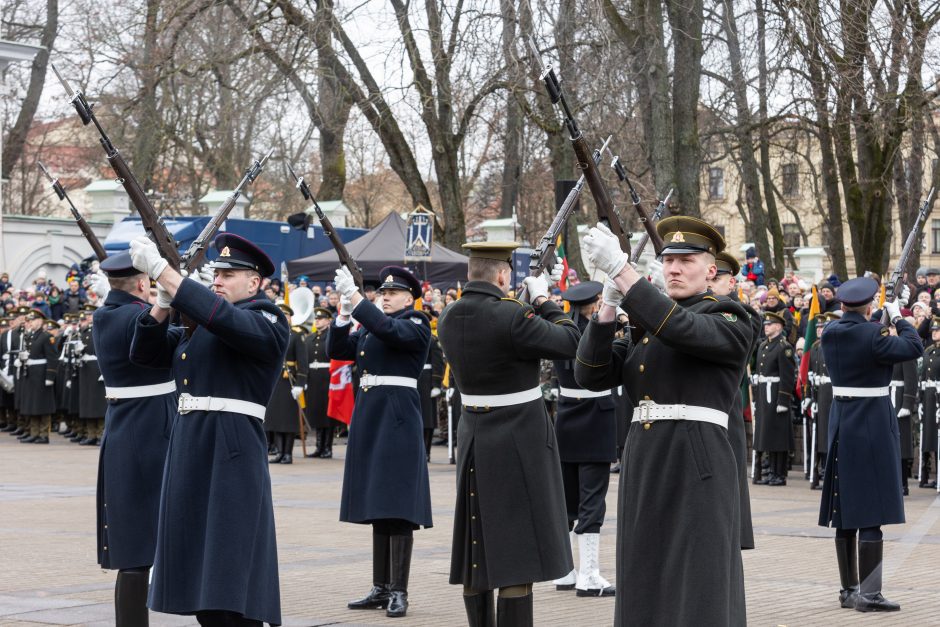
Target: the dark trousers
pixel 585 494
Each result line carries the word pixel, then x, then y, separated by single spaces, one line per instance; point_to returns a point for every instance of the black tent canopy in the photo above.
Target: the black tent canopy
pixel 383 246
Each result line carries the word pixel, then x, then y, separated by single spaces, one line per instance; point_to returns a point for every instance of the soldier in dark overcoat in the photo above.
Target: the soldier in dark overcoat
pixel 318 385
pixel 930 384
pixel 775 377
pixel 7 418
pixel 385 479
pixel 216 554
pixel 905 383
pixel 821 398
pixel 69 360
pixel 19 370
pixel 725 284
pixel 141 405
pixel 862 487
pixel 40 363
pixel 586 430
pixel 91 396
pixel 683 372
pixel 282 418
pixel 429 390
pixel 510 521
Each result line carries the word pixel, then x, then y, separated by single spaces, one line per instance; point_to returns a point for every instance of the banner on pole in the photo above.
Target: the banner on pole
pixel 419 235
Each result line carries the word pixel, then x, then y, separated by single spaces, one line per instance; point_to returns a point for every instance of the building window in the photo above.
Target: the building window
pixel 791 236
pixel 791 180
pixel 935 237
pixel 716 183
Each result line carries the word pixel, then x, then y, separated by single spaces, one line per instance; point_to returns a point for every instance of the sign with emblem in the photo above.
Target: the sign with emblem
pixel 419 235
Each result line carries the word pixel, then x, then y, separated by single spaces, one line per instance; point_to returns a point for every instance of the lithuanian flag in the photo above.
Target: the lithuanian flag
pixel 802 379
pixel 560 251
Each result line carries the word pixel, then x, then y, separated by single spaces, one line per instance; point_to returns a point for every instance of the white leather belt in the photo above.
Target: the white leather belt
pixel 35 362
pixel 838 390
pixel 373 380
pixel 89 358
pixel 189 403
pixel 925 385
pixel 768 382
pixel 139 391
pixel 649 411
pixel 822 380
pixel 501 400
pixel 896 384
pixel 578 393
pixel 319 364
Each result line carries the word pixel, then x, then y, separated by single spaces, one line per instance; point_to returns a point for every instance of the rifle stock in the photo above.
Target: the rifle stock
pixel 893 287
pixel 648 224
pixel 657 215
pixel 79 218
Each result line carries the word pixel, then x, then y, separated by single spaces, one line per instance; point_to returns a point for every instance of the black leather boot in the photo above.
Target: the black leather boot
pixel 400 570
pixel 318 451
pixel 847 556
pixel 130 598
pixel 378 597
pixel 869 573
pixel 287 445
pixel 278 447
pixel 514 611
pixel 480 610
pixel 327 444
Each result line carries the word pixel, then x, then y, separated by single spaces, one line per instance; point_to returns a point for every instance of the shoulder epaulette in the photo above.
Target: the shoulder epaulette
pixel 710 298
pixel 513 300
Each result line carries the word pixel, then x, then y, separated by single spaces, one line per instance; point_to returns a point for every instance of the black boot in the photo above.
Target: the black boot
pixel 779 462
pixel 130 598
pixel 847 556
pixel 869 573
pixel 480 609
pixel 327 443
pixel 400 569
pixel 318 451
pixel 276 438
pixel 287 445
pixel 759 470
pixel 379 595
pixel 514 611
pixel 925 481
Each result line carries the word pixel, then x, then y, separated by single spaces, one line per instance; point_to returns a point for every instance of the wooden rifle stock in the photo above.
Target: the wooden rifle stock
pixel 79 218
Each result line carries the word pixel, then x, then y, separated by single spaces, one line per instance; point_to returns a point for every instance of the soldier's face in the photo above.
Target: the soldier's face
pixel 688 275
pixel 235 285
pixel 396 300
pixel 321 323
pixel 772 329
pixel 35 324
pixel 723 284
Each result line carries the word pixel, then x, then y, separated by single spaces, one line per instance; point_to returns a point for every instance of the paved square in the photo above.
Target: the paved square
pixel 49 574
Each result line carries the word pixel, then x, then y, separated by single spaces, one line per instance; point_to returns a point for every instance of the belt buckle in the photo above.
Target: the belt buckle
pixel 365 382
pixel 181 406
pixel 645 408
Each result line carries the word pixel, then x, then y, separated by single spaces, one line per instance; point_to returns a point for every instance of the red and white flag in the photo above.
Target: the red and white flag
pixel 341 391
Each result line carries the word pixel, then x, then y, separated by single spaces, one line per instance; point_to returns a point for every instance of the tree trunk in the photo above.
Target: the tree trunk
pixel 334 106
pixel 149 136
pixel 512 150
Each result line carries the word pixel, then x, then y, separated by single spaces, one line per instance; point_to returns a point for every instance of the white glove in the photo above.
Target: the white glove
pixel 345 306
pixel 163 297
pixel 804 405
pixel 611 295
pixel 904 413
pixel 146 257
pixel 49 383
pixel 450 393
pixel 893 309
pixel 815 409
pixel 296 391
pixel 558 270
pixel 79 346
pixel 655 269
pixel 99 284
pixel 203 276
pixel 603 249
pixel 535 286
pixel 781 409
pixel 435 392
pixel 554 394
pixel 345 284
pixel 68 383
pixel 101 377
pixel 905 296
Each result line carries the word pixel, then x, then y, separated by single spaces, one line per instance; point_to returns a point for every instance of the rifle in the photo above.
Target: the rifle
pixel 605 206
pixel 543 257
pixel 153 223
pixel 79 218
pixel 197 250
pixel 648 224
pixel 302 221
pixel 893 287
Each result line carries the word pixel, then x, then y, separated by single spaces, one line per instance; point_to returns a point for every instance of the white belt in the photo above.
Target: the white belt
pixel 139 391
pixel 189 403
pixel 373 380
pixel 822 380
pixel 427 367
pixel 35 362
pixel 649 411
pixel 860 392
pixel 768 382
pixel 89 358
pixel 319 364
pixel 926 385
pixel 895 384
pixel 577 393
pixel 501 400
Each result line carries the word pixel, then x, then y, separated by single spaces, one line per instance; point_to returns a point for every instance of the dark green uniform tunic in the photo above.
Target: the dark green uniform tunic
pixel 678 513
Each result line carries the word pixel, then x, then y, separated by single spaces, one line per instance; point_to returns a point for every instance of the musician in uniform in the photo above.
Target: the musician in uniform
pixel 141 406
pixel 38 370
pixel 510 521
pixel 385 478
pixel 904 386
pixel 73 354
pixel 282 418
pixel 862 487
pixel 683 372
pixel 775 378
pixel 930 384
pixel 91 397
pixel 821 398
pixel 724 284
pixel 216 553
pixel 318 385
pixel 586 430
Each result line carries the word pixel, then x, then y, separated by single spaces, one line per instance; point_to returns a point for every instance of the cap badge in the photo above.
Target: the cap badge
pixel 225 252
pixel 390 279
pixel 678 237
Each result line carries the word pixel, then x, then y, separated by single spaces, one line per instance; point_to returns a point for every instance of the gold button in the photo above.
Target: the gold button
pixel 362 353
pixel 474 541
pixel 105 548
pixel 647 426
pixel 646 398
pixel 185 381
pixel 105 526
pixel 471 470
pixel 473 518
pixel 473 494
pixel 646 340
pixel 642 367
pixel 183 356
pixel 474 565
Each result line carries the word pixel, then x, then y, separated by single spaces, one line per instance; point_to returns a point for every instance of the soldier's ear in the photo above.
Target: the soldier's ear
pixel 711 272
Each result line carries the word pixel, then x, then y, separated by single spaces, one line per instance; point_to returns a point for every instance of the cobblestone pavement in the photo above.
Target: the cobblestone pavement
pixel 49 574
